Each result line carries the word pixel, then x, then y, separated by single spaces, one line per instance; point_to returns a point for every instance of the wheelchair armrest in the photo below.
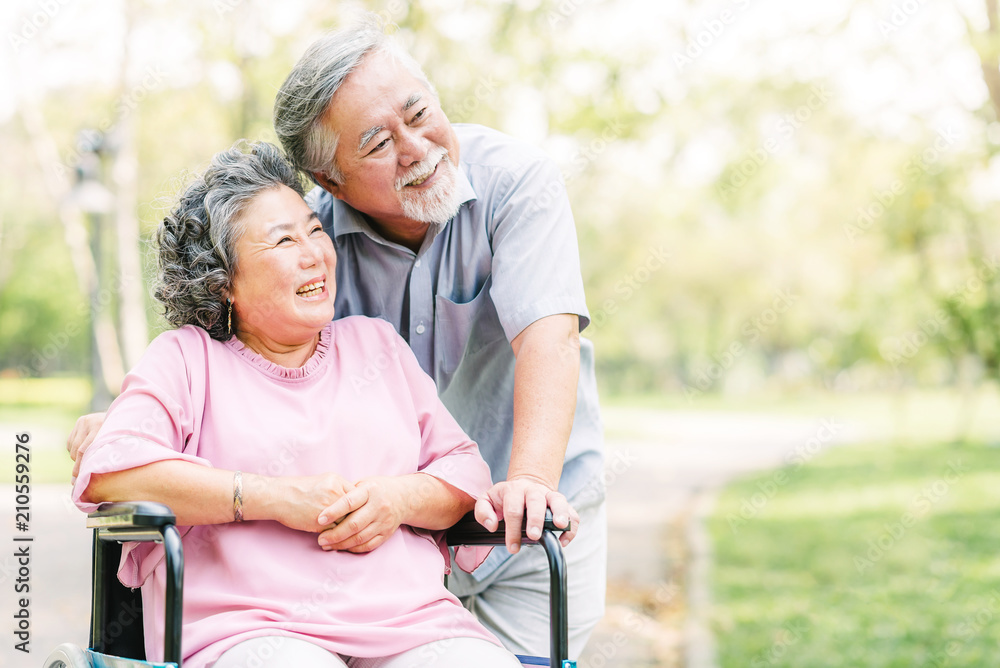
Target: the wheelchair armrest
pixel 468 531
pixel 134 521
pixel 140 521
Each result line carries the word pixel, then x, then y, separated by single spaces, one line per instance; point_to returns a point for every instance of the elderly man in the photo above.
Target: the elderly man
pixel 463 239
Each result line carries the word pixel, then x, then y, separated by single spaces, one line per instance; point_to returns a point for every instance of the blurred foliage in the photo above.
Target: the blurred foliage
pixel 743 225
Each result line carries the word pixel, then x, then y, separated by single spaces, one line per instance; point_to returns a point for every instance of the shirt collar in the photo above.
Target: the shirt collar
pixel 347 220
pixel 465 190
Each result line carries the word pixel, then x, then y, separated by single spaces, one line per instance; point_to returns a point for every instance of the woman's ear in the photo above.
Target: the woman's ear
pixel 228 297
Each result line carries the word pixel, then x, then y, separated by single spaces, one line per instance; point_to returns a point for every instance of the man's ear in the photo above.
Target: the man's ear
pixel 327 184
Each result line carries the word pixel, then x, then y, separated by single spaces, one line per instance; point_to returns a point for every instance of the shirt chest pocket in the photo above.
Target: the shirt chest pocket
pixel 463 331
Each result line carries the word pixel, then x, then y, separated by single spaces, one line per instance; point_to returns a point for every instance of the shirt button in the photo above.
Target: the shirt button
pixel 417 263
pixel 421 329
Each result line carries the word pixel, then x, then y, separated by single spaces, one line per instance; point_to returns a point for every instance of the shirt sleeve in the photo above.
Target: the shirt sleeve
pixel 536 259
pixel 446 451
pixel 155 418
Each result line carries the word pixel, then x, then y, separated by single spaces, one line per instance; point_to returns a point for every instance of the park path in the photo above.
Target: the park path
pixel 663 471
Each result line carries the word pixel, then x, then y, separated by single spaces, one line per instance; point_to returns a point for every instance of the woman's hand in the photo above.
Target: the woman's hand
pixel 295 501
pixel 368 515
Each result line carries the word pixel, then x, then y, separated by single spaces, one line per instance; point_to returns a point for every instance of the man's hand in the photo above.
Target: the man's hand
pixel 367 516
pixel 83 435
pixel 513 497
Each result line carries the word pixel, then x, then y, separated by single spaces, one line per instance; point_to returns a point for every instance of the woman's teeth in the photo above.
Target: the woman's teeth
pixel 311 290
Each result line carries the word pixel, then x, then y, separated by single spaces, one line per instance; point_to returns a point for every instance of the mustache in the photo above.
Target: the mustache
pixel 423 168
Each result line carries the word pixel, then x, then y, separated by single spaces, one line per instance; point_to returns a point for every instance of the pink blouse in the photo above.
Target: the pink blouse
pixel 361 406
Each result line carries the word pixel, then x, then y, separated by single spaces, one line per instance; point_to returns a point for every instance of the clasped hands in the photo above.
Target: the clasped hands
pixel 355 517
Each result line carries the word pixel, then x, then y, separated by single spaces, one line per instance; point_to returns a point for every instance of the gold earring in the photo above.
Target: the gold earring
pixel 229 323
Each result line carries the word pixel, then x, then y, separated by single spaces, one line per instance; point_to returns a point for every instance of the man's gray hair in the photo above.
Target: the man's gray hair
pixel 196 242
pixel 312 83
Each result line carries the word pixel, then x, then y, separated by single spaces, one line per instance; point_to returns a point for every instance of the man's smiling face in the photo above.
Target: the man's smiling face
pixel 397 152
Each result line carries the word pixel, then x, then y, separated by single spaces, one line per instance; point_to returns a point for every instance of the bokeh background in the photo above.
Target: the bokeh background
pixel 789 225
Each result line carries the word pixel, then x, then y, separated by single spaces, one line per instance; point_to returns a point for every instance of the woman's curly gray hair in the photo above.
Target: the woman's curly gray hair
pixel 196 242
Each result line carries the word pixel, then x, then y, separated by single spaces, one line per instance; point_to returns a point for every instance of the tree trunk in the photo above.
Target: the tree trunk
pixel 989 61
pixel 57 182
pixel 124 174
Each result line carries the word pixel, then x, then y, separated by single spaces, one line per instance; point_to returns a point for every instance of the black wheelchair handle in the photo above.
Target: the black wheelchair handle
pixel 468 531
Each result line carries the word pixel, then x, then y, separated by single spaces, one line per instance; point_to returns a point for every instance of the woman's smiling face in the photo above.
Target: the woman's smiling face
pixel 285 283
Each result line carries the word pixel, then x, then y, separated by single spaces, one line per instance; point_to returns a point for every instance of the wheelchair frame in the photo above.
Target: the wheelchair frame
pixel 115 523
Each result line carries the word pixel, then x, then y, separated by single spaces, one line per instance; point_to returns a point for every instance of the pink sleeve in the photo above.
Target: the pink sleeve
pixel 155 418
pixel 446 451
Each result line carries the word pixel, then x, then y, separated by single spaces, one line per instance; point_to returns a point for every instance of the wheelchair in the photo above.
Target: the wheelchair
pixel 116 635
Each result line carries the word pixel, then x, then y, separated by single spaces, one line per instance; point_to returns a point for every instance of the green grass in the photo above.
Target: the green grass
pixel 45 408
pixel 71 392
pixel 905 415
pixel 819 570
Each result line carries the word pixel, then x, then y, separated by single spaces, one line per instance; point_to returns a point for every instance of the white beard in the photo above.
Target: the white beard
pixel 439 203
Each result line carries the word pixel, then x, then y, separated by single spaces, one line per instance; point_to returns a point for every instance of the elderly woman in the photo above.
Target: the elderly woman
pixel 263 424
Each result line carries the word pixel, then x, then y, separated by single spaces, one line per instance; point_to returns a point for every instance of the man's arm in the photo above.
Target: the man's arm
pixel 546 373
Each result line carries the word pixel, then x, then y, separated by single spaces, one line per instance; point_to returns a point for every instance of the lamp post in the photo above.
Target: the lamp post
pixel 91 197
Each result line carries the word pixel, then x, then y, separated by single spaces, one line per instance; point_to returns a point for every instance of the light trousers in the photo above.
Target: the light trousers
pixel 513 601
pixel 287 652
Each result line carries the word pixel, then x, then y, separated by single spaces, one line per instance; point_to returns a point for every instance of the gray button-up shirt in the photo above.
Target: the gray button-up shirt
pixel 508 258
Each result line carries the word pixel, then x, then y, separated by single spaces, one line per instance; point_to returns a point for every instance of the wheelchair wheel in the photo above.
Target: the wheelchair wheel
pixel 67 655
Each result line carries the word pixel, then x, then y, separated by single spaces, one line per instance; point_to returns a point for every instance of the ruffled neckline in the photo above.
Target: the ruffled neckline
pixel 313 364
